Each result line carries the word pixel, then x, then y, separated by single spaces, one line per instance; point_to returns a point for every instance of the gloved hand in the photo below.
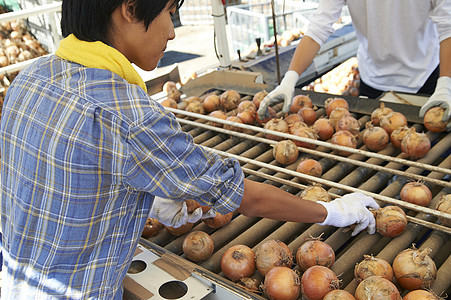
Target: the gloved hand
pixel 440 97
pixel 351 209
pixel 282 92
pixel 175 213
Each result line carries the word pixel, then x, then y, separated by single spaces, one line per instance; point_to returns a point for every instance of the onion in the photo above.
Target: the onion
pixel 338 295
pixel 251 284
pixel 305 132
pixel 217 114
pixel 310 167
pixel 414 269
pixel 348 123
pixel 271 114
pixel 333 103
pixel 258 97
pixel 323 129
pixel 308 114
pixel 178 231
pixel 315 192
pixel 211 103
pixel 377 287
pixel 373 266
pixel 295 126
pixel 392 121
pixel 192 99
pixel 169 85
pixel 317 282
pixel 236 120
pixel 247 116
pixel 415 145
pixel 375 138
pixel 416 193
pixel 378 113
pixel 285 152
pixel 192 205
pixel 172 92
pixel 152 227
pixel 169 102
pixel 293 118
pixel 238 262
pixel 219 220
pixel 300 101
pixel 277 125
pixel 421 295
pixel 230 99
pixel 282 283
pixel 344 138
pixel 195 107
pixel 273 253
pixel 247 105
pixel 398 135
pixel 444 205
pixel 315 253
pixel 337 114
pixel 198 246
pixel 391 221
pixel 433 119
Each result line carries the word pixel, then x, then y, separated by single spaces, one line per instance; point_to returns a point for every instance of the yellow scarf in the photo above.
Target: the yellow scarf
pixel 98 55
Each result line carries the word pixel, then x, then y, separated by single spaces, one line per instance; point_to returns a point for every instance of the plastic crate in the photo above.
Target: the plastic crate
pixel 254 20
pixel 198 12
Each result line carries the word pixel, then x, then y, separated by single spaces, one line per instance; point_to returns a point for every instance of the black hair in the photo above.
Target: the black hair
pixel 90 20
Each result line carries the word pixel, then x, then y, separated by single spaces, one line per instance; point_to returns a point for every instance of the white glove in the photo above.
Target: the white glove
pixel 351 209
pixel 440 97
pixel 282 92
pixel 175 213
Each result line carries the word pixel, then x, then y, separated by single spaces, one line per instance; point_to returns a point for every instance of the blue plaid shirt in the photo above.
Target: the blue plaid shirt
pixel 83 154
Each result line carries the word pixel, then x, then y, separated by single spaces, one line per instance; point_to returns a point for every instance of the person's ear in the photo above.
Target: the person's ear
pixel 128 11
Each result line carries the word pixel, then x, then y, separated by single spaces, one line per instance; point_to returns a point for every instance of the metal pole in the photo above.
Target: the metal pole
pixel 218 13
pixel 275 41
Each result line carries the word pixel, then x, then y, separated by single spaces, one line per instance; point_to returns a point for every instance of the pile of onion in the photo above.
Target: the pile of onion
pixel 344 138
pixel 198 246
pixel 415 145
pixel 230 100
pixel 414 269
pixel 315 192
pixel 398 135
pixel 238 262
pixel 444 205
pixel 421 295
pixel 392 121
pixel 417 193
pixel 278 125
pixel 348 123
pixel 152 227
pixel 310 167
pixel 323 129
pixel 375 138
pixel 308 114
pixel 219 220
pixel 373 266
pixel 339 295
pixel 285 152
pixel 433 119
pixel 211 103
pixel 282 283
pixel 332 103
pixel 272 253
pixel 300 101
pixel 315 252
pixel 337 114
pixel 258 97
pixel 378 113
pixel 304 132
pixel 391 221
pixel 376 287
pixel 317 282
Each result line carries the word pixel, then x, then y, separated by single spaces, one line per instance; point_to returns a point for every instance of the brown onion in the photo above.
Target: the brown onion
pixel 375 138
pixel 192 205
pixel 398 135
pixel 251 284
pixel 416 193
pixel 152 227
pixel 273 253
pixel 333 103
pixel 310 167
pixel 192 99
pixel 415 145
pixel 392 121
pixel 236 120
pixel 348 123
pixel 344 138
pixel 421 295
pixel 372 266
pixel 377 287
pixel 278 125
pixel 300 101
pixel 308 114
pixel 391 221
pixel 414 269
pixel 293 118
pixel 247 116
pixel 219 220
pixel 317 282
pixel 295 126
pixel 444 205
pixel 337 114
pixel 433 119
pixel 315 253
pixel 271 114
pixel 258 97
pixel 170 87
pixel 178 231
pixel 315 192
pixel 211 103
pixel 169 102
pixel 282 283
pixel 217 114
pixel 378 113
pixel 198 246
pixel 246 105
pixel 238 262
pixel 338 295
pixel 323 129
pixel 195 107
pixel 230 99
pixel 305 132
pixel 285 152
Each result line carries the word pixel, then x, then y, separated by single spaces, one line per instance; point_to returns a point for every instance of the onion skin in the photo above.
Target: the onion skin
pixel 178 231
pixel 273 253
pixel 258 97
pixel 398 135
pixel 231 127
pixel 305 132
pixel 392 121
pixel 247 116
pixel 317 282
pixel 333 103
pixel 376 287
pixel 152 227
pixel 308 114
pixel 338 295
pixel 219 220
pixel 344 138
pixel 421 295
pixel 414 269
pixel 433 119
pixel 282 283
pixel 416 193
pixel 230 99
pixel 375 138
pixel 169 102
pixel 323 129
pixel 246 105
pixel 310 167
pixel 415 145
pixel 315 253
pixel 211 103
pixel 300 101
pixel 296 125
pixel 217 114
pixel 277 125
pixel 444 205
pixel 285 152
pixel 238 262
pixel 337 114
pixel 378 113
pixel 315 193
pixel 391 221
pixel 293 118
pixel 373 266
pixel 348 123
pixel 198 246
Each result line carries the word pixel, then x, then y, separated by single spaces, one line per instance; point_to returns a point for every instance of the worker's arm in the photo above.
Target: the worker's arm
pixel 445 57
pixel 304 54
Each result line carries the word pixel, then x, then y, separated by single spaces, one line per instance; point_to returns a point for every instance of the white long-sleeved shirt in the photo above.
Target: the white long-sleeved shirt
pixel 398 39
